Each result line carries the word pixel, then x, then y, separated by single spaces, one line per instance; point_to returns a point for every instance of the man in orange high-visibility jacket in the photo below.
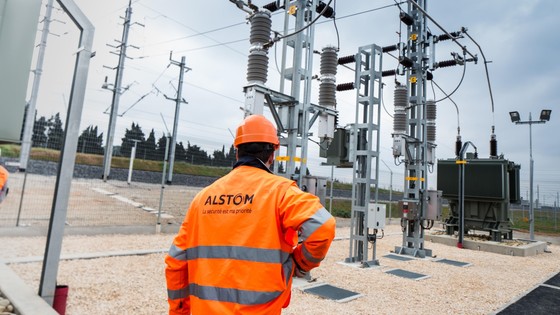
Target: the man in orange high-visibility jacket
pixel 237 249
pixel 3 182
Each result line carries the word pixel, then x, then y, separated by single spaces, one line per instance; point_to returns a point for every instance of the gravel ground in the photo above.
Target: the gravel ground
pixel 136 284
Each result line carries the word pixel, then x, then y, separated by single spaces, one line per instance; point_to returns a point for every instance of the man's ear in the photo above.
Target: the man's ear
pixel 271 159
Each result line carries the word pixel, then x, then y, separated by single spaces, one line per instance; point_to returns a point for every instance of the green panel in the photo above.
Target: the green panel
pixel 484 179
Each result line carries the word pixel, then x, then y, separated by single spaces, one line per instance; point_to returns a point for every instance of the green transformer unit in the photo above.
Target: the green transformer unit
pixel 490 185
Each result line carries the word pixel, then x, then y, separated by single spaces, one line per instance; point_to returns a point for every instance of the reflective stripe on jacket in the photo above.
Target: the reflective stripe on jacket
pixel 235 250
pixel 3 182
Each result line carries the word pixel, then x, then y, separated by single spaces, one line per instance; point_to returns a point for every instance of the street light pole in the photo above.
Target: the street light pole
pixel 515 118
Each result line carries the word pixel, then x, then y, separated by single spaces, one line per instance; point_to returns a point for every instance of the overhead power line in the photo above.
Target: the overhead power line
pixel 190 28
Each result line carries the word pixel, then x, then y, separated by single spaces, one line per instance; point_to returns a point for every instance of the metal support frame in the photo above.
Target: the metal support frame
pixel 416 173
pixel 178 100
pixel 66 164
pixel 365 138
pixel 295 118
pixel 291 110
pixel 117 90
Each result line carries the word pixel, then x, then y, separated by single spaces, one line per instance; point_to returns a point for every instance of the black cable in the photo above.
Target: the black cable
pixel 319 144
pixel 336 28
pixel 464 30
pixel 383 102
pixel 363 12
pixel 398 4
pixel 303 28
pixel 458 85
pixel 456 107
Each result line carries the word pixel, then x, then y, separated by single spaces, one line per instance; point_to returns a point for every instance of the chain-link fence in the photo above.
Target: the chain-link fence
pixel 546 219
pixel 93 202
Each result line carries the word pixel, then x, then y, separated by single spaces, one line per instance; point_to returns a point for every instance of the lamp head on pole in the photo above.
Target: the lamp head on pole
pixel 545 114
pixel 515 116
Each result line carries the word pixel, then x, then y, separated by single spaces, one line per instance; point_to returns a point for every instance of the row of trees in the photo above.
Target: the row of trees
pixel 49 133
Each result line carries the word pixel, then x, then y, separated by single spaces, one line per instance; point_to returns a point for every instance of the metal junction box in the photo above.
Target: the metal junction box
pixel 433 212
pixel 376 216
pixel 315 185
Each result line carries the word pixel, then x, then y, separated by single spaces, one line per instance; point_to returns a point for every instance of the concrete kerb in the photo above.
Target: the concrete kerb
pixel 23 298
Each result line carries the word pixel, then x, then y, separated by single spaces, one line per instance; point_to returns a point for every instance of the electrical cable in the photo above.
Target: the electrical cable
pixel 319 144
pixel 197 34
pixel 458 85
pixel 398 4
pixel 464 31
pixel 199 48
pixel 190 28
pixel 276 39
pixel 448 96
pixel 383 102
pixel 213 92
pixel 363 12
pixel 276 59
pixel 335 27
pixel 135 103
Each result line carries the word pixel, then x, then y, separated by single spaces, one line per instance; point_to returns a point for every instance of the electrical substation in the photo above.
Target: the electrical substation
pixel 356 144
pixel 477 191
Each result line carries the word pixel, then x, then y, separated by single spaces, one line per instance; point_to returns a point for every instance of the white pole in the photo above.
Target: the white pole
pixel 131 164
pixel 531 213
pixel 332 184
pixel 165 157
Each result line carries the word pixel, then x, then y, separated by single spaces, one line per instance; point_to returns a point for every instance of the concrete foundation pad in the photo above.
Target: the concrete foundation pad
pixel 517 247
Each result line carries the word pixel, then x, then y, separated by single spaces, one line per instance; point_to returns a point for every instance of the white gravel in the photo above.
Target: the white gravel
pixel 136 284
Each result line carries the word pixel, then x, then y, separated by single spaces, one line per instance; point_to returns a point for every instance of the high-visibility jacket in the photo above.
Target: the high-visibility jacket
pixel 235 251
pixel 3 182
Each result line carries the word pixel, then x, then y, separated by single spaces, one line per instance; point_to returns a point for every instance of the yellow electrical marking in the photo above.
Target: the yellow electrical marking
pixel 412 79
pixel 413 36
pixel 414 178
pixel 287 158
pixel 461 162
pixel 292 10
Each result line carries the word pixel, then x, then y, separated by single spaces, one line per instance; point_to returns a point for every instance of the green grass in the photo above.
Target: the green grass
pixel 180 167
pixel 545 221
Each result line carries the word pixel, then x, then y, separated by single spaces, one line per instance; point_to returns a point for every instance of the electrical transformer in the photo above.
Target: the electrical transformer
pixel 490 185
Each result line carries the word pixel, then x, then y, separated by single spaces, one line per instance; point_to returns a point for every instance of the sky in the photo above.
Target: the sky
pixel 518 39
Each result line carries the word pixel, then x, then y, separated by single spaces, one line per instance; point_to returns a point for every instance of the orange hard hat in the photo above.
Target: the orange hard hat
pixel 256 128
